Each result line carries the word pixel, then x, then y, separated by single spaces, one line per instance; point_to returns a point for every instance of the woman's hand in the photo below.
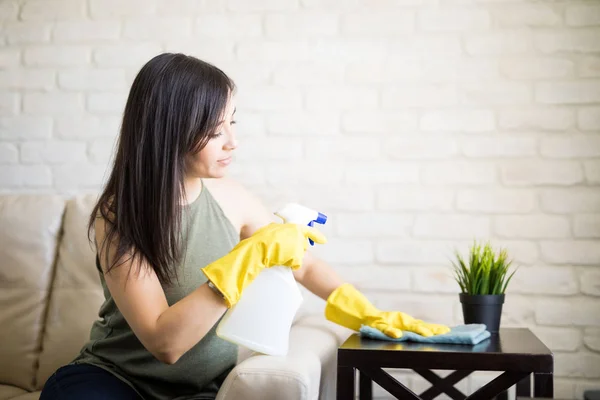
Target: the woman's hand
pixel 271 245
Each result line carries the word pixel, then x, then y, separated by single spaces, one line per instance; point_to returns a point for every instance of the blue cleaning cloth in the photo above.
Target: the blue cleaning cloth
pixel 461 334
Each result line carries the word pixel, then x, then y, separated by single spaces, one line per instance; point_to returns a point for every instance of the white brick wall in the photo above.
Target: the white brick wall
pixel 417 125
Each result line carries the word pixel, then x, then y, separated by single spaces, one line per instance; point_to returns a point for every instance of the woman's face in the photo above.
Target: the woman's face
pixel 213 159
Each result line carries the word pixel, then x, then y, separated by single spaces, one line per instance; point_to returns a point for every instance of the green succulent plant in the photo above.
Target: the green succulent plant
pixel 485 272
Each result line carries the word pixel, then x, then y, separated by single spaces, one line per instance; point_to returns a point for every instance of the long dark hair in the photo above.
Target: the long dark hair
pixel 175 105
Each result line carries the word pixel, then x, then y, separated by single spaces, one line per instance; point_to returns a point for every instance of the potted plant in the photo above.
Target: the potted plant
pixel 483 279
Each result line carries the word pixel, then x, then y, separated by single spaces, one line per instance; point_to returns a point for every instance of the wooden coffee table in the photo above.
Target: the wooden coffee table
pixel 517 352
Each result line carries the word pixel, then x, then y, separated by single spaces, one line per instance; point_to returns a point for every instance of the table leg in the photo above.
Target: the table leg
pixel 524 387
pixel 502 396
pixel 365 386
pixel 345 383
pixel 543 385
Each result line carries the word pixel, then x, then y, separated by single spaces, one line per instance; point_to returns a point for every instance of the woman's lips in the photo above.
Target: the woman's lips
pixel 225 161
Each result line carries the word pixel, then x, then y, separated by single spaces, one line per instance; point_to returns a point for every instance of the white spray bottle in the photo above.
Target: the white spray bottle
pixel 262 318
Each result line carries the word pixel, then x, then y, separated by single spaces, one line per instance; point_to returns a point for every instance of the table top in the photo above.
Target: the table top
pixel 509 348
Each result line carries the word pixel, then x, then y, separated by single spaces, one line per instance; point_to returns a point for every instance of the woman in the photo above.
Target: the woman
pixel 177 243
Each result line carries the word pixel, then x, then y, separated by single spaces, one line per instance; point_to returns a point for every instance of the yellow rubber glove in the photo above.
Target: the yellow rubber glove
pixel 348 307
pixel 271 245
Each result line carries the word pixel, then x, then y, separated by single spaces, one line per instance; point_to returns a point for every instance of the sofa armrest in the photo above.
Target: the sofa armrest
pixel 305 373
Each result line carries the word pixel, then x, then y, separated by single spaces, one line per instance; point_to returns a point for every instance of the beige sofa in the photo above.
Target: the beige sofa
pixel 50 294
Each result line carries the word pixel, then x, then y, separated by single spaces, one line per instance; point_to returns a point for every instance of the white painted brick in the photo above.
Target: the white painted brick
pixel 414 198
pixel 434 280
pixel 453 20
pixel 106 102
pixel 500 93
pixel 301 24
pixel 373 225
pixel 303 123
pixel 583 15
pixel 289 51
pixel 532 226
pixel 518 310
pixel 382 172
pixel 19 176
pixel 411 252
pixel 574 146
pixel 52 10
pixel 420 147
pixel 212 50
pixel 419 96
pixel 104 9
pixel 591 338
pixel 27 79
pixel 458 120
pixel 337 5
pixel 498 43
pixel 588 119
pixel 101 150
pixel 379 122
pixel 375 23
pixel 27 32
pixel 246 74
pixel 436 309
pixel 189 7
pixel 377 278
pixel 498 146
pixel 341 98
pixel 86 31
pixel 580 200
pixel 442 226
pixel 578 311
pixel 592 171
pixel 537 68
pixel 527 15
pixel 9 57
pixel 444 69
pixel 248 174
pixel 269 98
pixel 589 67
pixel 9 104
pixel 53 152
pixel 57 56
pixel 276 149
pixel 431 45
pixel 589 281
pixel 262 5
pixel 458 173
pixel 88 127
pixel 583 252
pixel 342 198
pixel 539 172
pixel 157 28
pixel 92 79
pixel 580 365
pixel 314 73
pixel 9 154
pixel 496 201
pixel 393 71
pixel 559 339
pixel 554 281
pixel 250 124
pixel 300 173
pixel 349 50
pixel 344 149
pixel 553 119
pixel 9 10
pixel 68 177
pixel 346 251
pixel 228 26
pixel 125 54
pixel 52 103
pixel 577 92
pixel 22 127
pixel 586 225
pixel 581 41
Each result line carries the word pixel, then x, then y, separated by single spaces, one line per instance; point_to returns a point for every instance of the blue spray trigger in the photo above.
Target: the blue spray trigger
pixel 321 219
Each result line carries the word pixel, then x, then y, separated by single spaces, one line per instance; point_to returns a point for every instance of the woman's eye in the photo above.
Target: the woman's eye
pixel 233 122
pixel 216 135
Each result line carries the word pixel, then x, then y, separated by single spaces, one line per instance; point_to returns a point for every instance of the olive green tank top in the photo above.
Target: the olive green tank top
pixel 199 373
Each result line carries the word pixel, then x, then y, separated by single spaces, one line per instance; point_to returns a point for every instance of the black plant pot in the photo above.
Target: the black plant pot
pixel 482 309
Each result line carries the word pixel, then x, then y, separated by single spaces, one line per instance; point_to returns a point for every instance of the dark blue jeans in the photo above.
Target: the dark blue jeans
pixel 84 381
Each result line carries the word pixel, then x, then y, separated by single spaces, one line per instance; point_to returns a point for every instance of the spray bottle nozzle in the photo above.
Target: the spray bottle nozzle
pixel 321 219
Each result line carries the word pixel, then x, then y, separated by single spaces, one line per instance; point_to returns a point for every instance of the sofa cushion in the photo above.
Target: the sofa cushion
pixel 28 396
pixel 76 292
pixel 8 392
pixel 29 230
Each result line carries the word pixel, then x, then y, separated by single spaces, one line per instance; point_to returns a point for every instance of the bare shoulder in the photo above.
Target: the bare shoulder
pixel 244 209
